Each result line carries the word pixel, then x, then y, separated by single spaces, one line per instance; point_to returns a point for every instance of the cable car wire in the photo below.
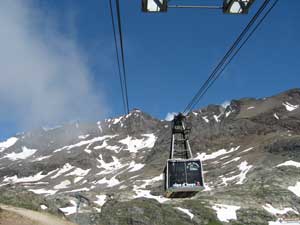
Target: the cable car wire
pixel 122 53
pixel 221 63
pixel 195 99
pixel 117 56
pixel 237 51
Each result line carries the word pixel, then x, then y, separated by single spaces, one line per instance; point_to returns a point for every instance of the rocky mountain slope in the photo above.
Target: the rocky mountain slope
pixel 250 151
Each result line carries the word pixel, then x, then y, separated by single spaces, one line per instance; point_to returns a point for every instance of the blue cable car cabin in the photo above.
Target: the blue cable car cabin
pixel 183 173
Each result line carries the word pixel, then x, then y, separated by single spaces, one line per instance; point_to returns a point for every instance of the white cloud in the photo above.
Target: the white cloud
pixel 170 116
pixel 225 104
pixel 45 78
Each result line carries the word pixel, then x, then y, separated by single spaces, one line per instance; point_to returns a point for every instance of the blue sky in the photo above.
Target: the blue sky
pixel 168 56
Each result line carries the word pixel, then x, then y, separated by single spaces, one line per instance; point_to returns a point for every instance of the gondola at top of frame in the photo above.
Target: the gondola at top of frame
pixel 229 6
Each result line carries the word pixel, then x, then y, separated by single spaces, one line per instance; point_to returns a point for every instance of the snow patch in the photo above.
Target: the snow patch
pixel 26 153
pixel 205 119
pixel 289 163
pixel 289 106
pixel 109 167
pixel 244 168
pixel 71 209
pixel 275 211
pixel 88 151
pixel 101 199
pixel 140 191
pixel 43 191
pixel 117 120
pixel 217 118
pixel 78 172
pixel 63 185
pixel 146 194
pixel 43 207
pixel 233 160
pixel 83 136
pixel 8 143
pixel 67 167
pixel 226 212
pixel 204 156
pixel 134 145
pixel 109 183
pixel 85 142
pixel 78 190
pixel 34 178
pixel 279 222
pixel 295 189
pixel 109 147
pixel 248 149
pixel 42 158
pixel 186 211
pixel 276 116
pixel 228 113
pixel 135 166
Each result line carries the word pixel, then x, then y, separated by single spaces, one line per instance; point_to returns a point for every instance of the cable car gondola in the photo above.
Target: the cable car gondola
pixel 183 173
pixel 229 6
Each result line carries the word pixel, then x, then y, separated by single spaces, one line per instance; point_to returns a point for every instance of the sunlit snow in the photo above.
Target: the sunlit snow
pixel 43 191
pixel 279 222
pixel 275 211
pixel 146 194
pixel 135 166
pixel 289 163
pixel 83 136
pixel 26 152
pixel 232 160
pixel 109 147
pixel 33 178
pixel 186 211
pixel 63 185
pixel 289 106
pixel 141 192
pixel 226 212
pixel 70 209
pixel 67 167
pixel 85 142
pixel 244 168
pixel 276 116
pixel 217 118
pixel 8 143
pixel 295 189
pixel 42 158
pixel 228 113
pixel 204 156
pixel 248 149
pixel 101 199
pixel 43 207
pixel 134 144
pixel 205 119
pixel 109 182
pixel 79 172
pixel 109 167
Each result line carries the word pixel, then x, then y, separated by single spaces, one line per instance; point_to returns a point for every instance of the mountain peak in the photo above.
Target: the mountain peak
pixel 249 152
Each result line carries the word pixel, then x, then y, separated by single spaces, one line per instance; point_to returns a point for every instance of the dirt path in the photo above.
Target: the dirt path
pixel 36 217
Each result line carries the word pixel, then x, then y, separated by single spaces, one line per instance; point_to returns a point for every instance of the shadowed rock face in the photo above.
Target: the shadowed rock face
pixel 250 152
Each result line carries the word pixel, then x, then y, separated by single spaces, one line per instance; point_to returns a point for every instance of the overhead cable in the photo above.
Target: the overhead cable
pixel 233 47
